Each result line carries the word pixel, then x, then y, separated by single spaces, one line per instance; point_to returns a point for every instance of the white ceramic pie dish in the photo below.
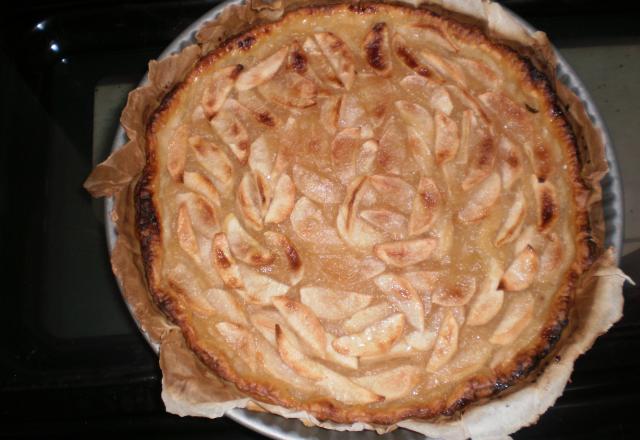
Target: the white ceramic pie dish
pixel 277 427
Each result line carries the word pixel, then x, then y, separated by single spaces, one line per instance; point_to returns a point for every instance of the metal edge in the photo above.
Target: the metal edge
pixel 291 429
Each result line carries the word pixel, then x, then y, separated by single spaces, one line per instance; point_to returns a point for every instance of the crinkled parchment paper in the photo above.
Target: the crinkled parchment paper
pixel 190 388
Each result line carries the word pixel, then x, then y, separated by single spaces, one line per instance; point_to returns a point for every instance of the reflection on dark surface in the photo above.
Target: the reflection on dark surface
pixel 71 359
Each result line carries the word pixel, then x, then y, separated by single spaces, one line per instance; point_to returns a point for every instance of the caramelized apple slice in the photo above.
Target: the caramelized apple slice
pixel 393 191
pixel 232 131
pixel 252 200
pixel 447 140
pixel 366 159
pixel 406 252
pixel 390 222
pixel 377 50
pixel 366 317
pixel 309 224
pixel 330 113
pixel 512 224
pixel 457 294
pixel 261 157
pixel 481 72
pixel 177 152
pixel 259 110
pixel 512 165
pixel 373 340
pixel 290 90
pixel 186 236
pixel 261 72
pixel 259 288
pixel 418 117
pixel 339 56
pixel 226 304
pixel 333 304
pixel 316 187
pixel 338 386
pixel 201 213
pixel 401 293
pixel 488 301
pixel 224 263
pixel 284 197
pixel 392 384
pixel 287 251
pixel 446 343
pixel 425 282
pixel 547 204
pixel 243 246
pixel 218 88
pixel 522 271
pixel 444 68
pixel 426 205
pixel 201 184
pixel 442 231
pixel 303 322
pixel 241 341
pixel 214 161
pixel 517 316
pixel 483 157
pixel 410 59
pixel 320 65
pixel 265 322
pixel 483 198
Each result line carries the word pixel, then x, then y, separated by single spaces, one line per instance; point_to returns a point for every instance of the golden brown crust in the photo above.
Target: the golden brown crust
pixel 521 367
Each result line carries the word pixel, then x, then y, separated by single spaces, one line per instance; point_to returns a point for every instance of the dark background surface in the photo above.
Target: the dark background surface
pixel 72 362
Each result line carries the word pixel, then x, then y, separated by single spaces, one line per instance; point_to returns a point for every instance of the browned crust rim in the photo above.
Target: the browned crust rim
pixel 474 389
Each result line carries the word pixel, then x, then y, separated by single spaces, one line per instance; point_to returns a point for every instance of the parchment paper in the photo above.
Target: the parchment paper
pixel 190 388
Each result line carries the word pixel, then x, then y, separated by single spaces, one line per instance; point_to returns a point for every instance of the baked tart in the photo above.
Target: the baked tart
pixel 367 213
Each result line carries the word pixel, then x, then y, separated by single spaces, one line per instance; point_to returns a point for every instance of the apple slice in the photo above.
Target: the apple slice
pixel 259 288
pixel 401 293
pixel 177 152
pixel 426 207
pixel 481 200
pixel 284 197
pixel 224 263
pixel 517 316
pixel 488 301
pixel 333 304
pixel 218 88
pixel 186 236
pixel 377 50
pixel 287 251
pixel 458 294
pixel 446 343
pixel 316 187
pixel 548 210
pixel 447 139
pixel 241 341
pixel 304 322
pixel 366 317
pixel 522 271
pixel 201 184
pixel 215 162
pixel 405 252
pixel 261 72
pixel 232 131
pixel 339 56
pixel 373 340
pixel 392 384
pixel 243 246
pixel 309 224
pixel 512 224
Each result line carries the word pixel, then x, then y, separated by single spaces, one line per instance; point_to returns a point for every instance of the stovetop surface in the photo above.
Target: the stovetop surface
pixel 72 361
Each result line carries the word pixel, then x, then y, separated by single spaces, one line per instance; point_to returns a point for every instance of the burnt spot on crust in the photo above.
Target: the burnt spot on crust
pixel 531 109
pixel 373 47
pixel 363 9
pixel 246 42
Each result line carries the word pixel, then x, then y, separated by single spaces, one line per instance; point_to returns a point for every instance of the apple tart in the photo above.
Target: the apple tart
pixel 369 213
